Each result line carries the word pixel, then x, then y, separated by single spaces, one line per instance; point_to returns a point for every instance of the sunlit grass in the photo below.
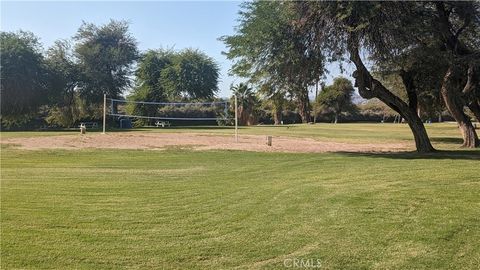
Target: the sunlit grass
pixel 110 209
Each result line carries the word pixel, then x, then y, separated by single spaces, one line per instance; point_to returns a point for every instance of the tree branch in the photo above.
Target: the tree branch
pixel 363 80
pixel 368 87
pixel 470 85
pixel 466 22
pixel 407 80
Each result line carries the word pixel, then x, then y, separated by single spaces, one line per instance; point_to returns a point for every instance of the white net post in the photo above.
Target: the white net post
pixel 236 119
pixel 104 112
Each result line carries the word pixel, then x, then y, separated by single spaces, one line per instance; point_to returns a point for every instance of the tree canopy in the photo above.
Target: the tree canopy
pixel 378 28
pixel 337 97
pixel 23 77
pixel 267 51
pixel 106 55
pixel 191 75
pixel 169 76
pixel 71 77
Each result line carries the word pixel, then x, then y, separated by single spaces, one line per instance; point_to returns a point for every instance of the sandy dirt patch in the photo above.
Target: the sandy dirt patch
pixel 159 141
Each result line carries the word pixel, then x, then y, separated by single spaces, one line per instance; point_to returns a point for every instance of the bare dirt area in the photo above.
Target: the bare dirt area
pixel 194 141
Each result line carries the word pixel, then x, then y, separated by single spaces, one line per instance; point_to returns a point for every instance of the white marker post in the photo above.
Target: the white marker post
pixel 104 112
pixel 236 118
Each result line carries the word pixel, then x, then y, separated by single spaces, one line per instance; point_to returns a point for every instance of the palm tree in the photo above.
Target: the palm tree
pixel 247 102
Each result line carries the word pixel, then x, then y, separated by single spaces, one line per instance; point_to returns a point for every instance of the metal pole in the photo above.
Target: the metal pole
pixel 104 112
pixel 236 118
pixel 315 103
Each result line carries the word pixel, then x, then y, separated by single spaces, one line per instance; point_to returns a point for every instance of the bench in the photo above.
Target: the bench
pixel 162 124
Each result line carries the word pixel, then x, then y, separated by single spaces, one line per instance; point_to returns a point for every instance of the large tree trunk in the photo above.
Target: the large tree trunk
pixel 277 116
pixel 422 141
pixel 473 100
pixel 242 116
pixel 420 135
pixel 452 99
pixel 369 88
pixel 304 105
pixel 450 91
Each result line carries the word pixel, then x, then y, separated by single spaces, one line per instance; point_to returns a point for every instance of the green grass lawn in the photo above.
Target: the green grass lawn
pixel 110 209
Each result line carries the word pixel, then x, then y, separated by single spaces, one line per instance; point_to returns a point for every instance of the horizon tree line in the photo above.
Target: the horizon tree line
pixel 66 83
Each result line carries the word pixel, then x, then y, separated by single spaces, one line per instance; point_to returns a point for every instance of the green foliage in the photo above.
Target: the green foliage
pixel 273 100
pixel 149 83
pixel 77 110
pixel 148 73
pixel 337 98
pixel 64 101
pixel 247 103
pixel 23 77
pixel 381 29
pixel 266 49
pixel 374 107
pixel 166 75
pixel 192 110
pixel 141 93
pixel 63 116
pixel 192 75
pixel 105 55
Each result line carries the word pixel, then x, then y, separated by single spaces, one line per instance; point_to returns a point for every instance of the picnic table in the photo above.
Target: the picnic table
pixel 162 124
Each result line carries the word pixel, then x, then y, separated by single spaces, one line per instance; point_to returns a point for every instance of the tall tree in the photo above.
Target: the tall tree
pixel 440 59
pixel 266 50
pixel 458 29
pixel 191 75
pixel 377 28
pixel 337 97
pixel 149 85
pixel 22 80
pixel 105 55
pixel 62 81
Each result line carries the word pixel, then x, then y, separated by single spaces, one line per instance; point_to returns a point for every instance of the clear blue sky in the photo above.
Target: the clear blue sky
pixel 179 24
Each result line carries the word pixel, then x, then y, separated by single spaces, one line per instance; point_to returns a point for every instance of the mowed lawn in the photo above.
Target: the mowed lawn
pixel 181 209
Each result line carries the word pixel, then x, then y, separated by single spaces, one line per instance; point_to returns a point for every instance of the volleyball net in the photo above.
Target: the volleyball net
pixel 162 113
pixel 148 111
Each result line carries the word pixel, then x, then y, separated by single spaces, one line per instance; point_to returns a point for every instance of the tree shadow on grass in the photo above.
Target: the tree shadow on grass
pixel 440 154
pixel 447 140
